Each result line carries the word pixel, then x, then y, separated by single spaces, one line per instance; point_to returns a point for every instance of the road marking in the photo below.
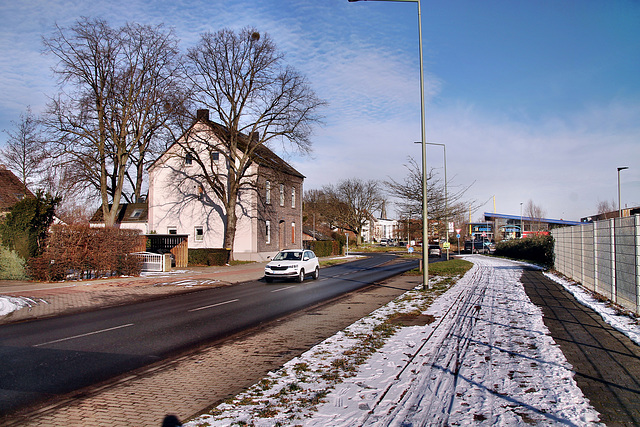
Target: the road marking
pixel 282 289
pixel 213 305
pixel 85 335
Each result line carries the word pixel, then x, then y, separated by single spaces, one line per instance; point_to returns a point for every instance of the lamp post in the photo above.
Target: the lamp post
pixel 619 205
pixel 446 197
pixel 425 225
pixel 521 225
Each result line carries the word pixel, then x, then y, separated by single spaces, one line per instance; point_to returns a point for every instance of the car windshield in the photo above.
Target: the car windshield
pixel 288 256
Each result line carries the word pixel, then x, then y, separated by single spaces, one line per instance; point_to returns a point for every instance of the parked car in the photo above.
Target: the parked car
pixel 383 242
pixel 292 264
pixel 434 250
pixel 477 246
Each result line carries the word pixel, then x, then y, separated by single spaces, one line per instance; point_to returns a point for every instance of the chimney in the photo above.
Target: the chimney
pixel 203 114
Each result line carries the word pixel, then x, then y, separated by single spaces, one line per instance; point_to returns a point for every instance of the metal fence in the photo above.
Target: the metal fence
pixel 151 261
pixel 604 256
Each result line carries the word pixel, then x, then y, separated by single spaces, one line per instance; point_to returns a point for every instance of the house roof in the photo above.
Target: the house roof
pixel 317 235
pixel 128 212
pixel 12 190
pixel 263 156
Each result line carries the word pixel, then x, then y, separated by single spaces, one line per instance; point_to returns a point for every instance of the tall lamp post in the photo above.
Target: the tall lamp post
pixel 619 204
pixel 425 225
pixel 446 197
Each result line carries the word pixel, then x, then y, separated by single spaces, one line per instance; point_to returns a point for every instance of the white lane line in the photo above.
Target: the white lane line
pixel 85 335
pixel 282 289
pixel 213 305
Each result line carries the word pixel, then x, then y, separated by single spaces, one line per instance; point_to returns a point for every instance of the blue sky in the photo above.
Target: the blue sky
pixel 535 100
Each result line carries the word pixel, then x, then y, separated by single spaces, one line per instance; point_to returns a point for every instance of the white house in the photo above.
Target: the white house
pixel 380 228
pixel 180 201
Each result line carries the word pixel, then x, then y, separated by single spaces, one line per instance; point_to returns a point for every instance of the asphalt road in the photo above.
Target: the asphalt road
pixel 52 357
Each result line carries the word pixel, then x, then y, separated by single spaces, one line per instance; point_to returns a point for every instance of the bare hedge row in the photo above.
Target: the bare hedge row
pixel 80 252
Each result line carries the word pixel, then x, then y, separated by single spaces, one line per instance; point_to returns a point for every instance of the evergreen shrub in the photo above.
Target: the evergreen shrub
pixel 211 256
pixel 537 249
pixel 12 266
pixel 324 247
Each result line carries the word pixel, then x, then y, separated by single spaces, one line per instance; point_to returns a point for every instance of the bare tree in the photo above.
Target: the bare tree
pixel 122 84
pixel 24 150
pixel 241 78
pixel 607 209
pixel 440 208
pixel 536 213
pixel 350 204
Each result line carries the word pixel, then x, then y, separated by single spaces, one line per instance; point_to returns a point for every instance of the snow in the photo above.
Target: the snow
pixel 486 359
pixel 10 304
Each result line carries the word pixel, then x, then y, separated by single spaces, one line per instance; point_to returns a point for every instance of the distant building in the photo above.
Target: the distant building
pixel 380 228
pixel 612 214
pixel 499 227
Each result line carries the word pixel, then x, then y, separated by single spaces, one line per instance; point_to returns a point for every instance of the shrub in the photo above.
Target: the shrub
pixel 79 251
pixel 25 227
pixel 537 249
pixel 208 256
pixel 11 265
pixel 324 247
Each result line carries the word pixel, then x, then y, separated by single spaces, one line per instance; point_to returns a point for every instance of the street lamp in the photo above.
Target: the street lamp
pixel 619 205
pixel 521 225
pixel 446 197
pixel 425 221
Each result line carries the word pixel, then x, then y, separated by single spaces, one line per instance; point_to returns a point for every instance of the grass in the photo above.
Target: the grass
pixel 453 267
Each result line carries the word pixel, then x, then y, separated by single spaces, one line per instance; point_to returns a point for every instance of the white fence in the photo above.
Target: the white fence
pixel 604 256
pixel 152 261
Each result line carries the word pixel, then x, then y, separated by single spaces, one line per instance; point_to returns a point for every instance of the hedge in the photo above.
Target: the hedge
pixel 537 249
pixel 208 256
pixel 324 247
pixel 81 252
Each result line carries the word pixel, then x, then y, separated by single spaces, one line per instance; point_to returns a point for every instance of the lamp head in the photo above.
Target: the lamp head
pixel 619 169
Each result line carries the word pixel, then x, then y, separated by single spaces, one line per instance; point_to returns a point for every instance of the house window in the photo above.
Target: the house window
pixel 281 194
pixel 293 232
pixel 267 196
pixel 136 213
pixel 172 230
pixel 293 197
pixel 188 159
pixel 199 233
pixel 215 156
pixel 268 232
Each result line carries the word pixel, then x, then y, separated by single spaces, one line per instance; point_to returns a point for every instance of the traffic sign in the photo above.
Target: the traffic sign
pixel 458 236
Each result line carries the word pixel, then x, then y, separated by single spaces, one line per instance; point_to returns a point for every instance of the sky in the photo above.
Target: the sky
pixel 534 101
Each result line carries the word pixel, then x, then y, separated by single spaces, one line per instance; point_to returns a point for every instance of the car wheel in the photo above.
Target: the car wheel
pixel 268 279
pixel 316 274
pixel 301 276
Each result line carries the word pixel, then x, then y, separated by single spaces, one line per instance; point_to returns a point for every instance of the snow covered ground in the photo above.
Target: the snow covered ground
pixel 486 359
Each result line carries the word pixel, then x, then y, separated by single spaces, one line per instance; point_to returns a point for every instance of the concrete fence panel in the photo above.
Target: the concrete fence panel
pixel 604 257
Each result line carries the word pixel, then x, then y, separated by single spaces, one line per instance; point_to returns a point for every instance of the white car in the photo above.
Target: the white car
pixel 292 264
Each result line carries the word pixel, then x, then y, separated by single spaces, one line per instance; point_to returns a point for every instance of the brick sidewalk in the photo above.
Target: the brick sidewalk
pixel 606 362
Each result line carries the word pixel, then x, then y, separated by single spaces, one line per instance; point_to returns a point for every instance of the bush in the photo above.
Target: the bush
pixel 208 256
pixel 25 227
pixel 537 249
pixel 79 251
pixel 324 247
pixel 11 265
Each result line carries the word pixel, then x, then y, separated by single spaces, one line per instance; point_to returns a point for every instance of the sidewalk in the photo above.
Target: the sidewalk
pixel 44 299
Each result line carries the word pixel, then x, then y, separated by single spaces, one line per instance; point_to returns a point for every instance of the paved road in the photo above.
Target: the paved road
pixel 606 362
pixel 55 356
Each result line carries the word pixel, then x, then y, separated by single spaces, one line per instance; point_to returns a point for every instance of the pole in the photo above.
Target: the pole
pixel 425 220
pixel 619 201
